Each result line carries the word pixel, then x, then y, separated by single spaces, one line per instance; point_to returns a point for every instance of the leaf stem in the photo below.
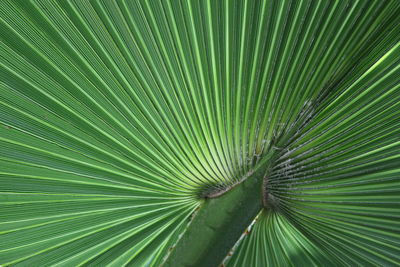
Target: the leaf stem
pixel 219 223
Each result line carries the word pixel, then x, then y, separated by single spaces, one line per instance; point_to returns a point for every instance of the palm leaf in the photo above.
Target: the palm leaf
pixel 119 119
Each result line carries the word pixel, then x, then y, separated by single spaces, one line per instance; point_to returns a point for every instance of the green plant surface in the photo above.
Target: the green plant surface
pixel 211 233
pixel 122 122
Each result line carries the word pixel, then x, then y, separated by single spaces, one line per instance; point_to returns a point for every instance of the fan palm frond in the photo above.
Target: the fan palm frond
pixel 139 133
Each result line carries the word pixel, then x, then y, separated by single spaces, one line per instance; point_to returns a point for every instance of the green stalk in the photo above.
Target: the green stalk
pixel 219 223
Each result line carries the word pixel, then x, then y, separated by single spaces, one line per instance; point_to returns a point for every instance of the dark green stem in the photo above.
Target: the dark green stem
pixel 219 223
